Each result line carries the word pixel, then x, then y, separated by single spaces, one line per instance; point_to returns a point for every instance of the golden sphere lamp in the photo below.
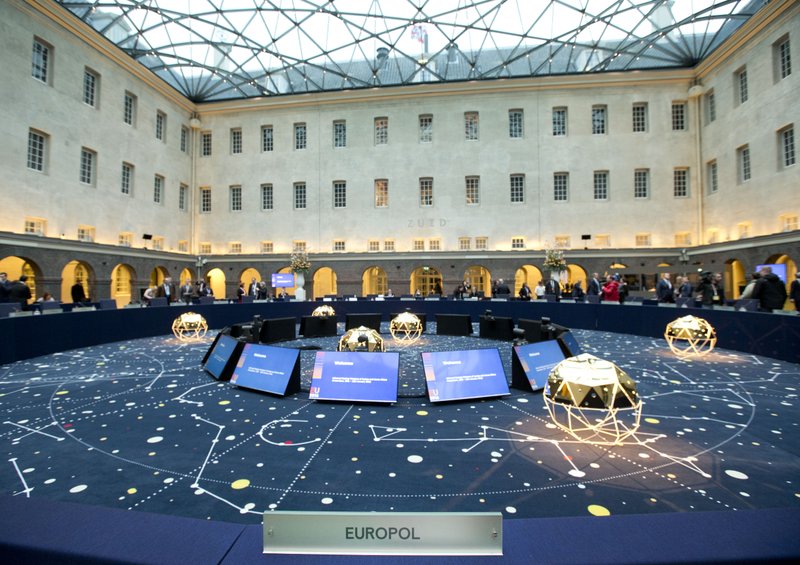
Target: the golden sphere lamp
pixel 361 339
pixel 690 336
pixel 406 328
pixel 189 327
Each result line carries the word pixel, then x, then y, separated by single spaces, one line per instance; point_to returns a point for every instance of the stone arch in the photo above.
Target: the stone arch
pixel 324 281
pixel 215 278
pixel 527 274
pixel 122 279
pixel 479 278
pixel 16 266
pixel 734 278
pixel 248 274
pixel 289 289
pixel 374 280
pixel 186 275
pixel 157 275
pixel 576 273
pixel 424 279
pixel 77 272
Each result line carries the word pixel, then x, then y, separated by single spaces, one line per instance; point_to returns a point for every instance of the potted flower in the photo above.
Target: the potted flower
pixel 300 265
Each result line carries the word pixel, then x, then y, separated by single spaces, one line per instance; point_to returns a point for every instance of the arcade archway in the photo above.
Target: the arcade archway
pixel 526 274
pixel 215 279
pixel 324 282
pixel 76 273
pixel 122 277
pixel 425 281
pixel 374 281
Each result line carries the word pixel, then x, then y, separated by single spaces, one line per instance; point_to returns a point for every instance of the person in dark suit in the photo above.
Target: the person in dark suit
pixel 525 292
pixel 553 287
pixel 594 287
pixel 5 284
pixel 794 292
pixel 167 290
pixel 252 290
pixel 770 291
pixel 664 291
pixel 19 292
pixel 187 290
pixel 77 293
pixel 502 288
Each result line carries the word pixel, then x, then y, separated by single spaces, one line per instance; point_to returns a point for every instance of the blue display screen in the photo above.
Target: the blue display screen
pixel 355 376
pixel 777 269
pixel 457 375
pixel 538 359
pixel 220 355
pixel 265 368
pixel 282 280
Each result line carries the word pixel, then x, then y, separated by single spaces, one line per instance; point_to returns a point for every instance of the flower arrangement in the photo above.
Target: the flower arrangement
pixel 300 262
pixel 554 260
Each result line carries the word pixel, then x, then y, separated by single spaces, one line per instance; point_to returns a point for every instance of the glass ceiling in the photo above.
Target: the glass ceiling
pixel 225 49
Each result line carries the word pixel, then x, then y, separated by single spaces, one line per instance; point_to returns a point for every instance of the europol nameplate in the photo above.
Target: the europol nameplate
pixel 384 533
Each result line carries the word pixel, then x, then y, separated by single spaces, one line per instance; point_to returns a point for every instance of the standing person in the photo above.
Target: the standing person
pixel 770 291
pixel 240 292
pixel 664 291
pixel 623 288
pixel 577 291
pixel 252 290
pixel 186 291
pixel 553 287
pixel 794 292
pixel 19 292
pixel 685 288
pixel 610 290
pixel 525 292
pixel 748 290
pixel 594 287
pixel 539 290
pixel 719 287
pixel 149 294
pixel 77 293
pixel 5 284
pixel 167 290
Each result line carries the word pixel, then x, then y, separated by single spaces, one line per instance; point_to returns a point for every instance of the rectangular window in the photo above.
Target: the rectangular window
pixel 183 197
pixel 680 183
pixel 299 196
pixel 713 178
pixel 782 55
pixel 158 243
pixel 183 246
pixel 125 239
pixel 161 125
pixel 471 131
pixel 205 248
pixel 643 240
pixel 35 226
pixel 418 245
pixel 299 245
pixel 205 200
pixel 789 222
pixel 388 245
pixel 517 243
pixel 236 141
pixel 464 243
pixel 381 193
pixel 339 245
pixel 641 183
pixel 184 139
pixel 678 116
pixel 473 190
pixel 559 122
pixel 640 117
pixel 88 161
pixel 40 64
pixel 426 192
pixel 515 124
pixel 205 144
pixel 426 128
pixel 563 242
pixel 126 182
pixel 740 80
pixel 158 189
pixel 713 235
pixel 711 106
pixel 743 163
pixel 91 86
pixel 266 197
pixel 37 150
pixel 599 117
pixel 683 238
pixel 234 247
pixel 339 194
pixel 482 243
pixel 266 139
pixel 267 247
pixel 744 228
pixel 86 233
pixel 129 111
pixel 435 244
pixel 602 240
pixel 340 133
pixel 560 186
pixel 601 185
pixel 236 198
pixel 300 138
pixel 374 245
pixel 517 188
pixel 381 131
pixel 786 137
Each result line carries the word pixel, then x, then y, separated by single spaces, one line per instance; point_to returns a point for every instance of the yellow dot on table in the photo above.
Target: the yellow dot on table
pixel 224 402
pixel 131 491
pixel 597 510
pixel 421 413
pixel 63 392
pixel 240 484
pixel 652 420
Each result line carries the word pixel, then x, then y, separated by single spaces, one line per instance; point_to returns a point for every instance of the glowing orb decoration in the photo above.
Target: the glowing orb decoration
pixel 406 328
pixel 324 311
pixel 593 400
pixel 189 327
pixel 361 339
pixel 690 336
